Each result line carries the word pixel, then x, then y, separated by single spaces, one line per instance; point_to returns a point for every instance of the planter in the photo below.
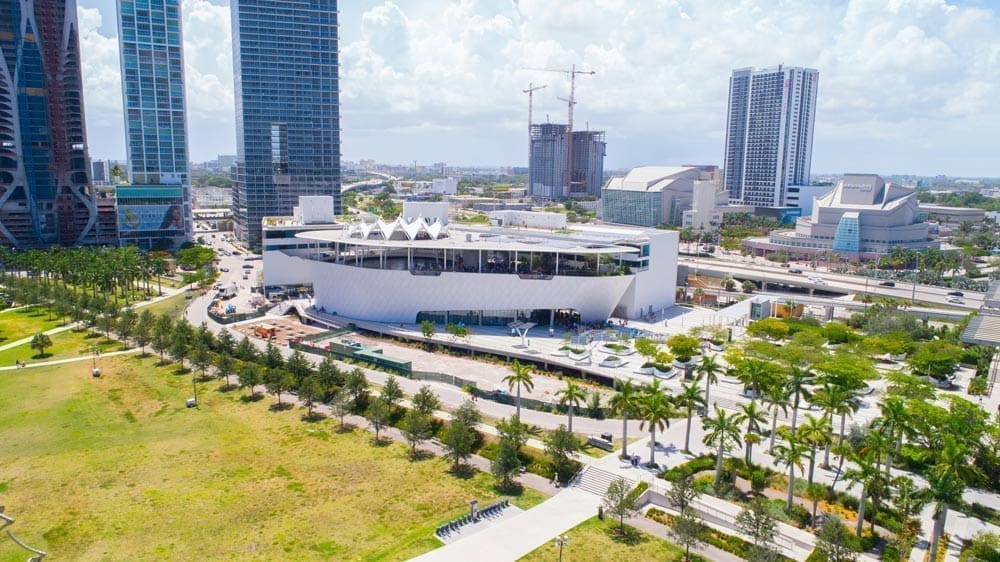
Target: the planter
pixel 560 353
pixel 898 358
pixel 663 374
pixel 612 361
pixel 717 347
pixel 645 371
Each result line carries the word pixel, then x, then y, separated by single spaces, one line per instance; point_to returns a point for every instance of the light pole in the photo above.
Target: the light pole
pixel 561 542
pixel 916 276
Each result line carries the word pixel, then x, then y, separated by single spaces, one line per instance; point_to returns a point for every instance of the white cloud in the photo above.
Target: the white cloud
pixel 905 85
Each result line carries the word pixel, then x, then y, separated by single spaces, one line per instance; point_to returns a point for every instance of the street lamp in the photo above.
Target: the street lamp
pixel 561 542
pixel 93 354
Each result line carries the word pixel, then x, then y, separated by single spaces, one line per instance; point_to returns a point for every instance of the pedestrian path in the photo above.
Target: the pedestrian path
pixel 70 360
pixel 517 536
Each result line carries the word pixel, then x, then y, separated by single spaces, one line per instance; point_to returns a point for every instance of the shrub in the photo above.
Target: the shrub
pixel 693 466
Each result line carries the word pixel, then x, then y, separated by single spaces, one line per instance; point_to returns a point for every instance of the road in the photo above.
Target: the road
pixel 760 270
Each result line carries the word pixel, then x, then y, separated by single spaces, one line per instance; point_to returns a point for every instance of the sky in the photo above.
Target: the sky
pixel 905 86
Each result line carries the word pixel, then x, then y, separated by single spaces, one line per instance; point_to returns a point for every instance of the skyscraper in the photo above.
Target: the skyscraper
pixel 285 63
pixel 549 166
pixel 45 194
pixel 769 133
pixel 154 210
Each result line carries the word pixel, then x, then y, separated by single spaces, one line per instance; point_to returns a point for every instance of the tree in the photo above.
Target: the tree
pixel 126 324
pixel 250 377
pixel 749 286
pixel 201 358
pixel 946 488
pixel 773 328
pixel 391 391
pixel 837 543
pixel 416 427
pixel 272 356
pixel 908 501
pixel 626 402
pixel 459 439
pixel 144 330
pixel 224 366
pixel 520 376
pixel 41 341
pixel 936 358
pixel 655 413
pixel 683 346
pixel 723 432
pixel 709 369
pixel 468 413
pixel 506 464
pixel 814 433
pixel 690 398
pixel 329 375
pixel 798 384
pixel 427 329
pixel 560 444
pixel 618 501
pixel 357 384
pixel 754 416
pixel 864 472
pixel 756 522
pixel 245 350
pixel 425 401
pixel 815 493
pixel 340 404
pixel 790 454
pixel 298 366
pixel 776 397
pixel 377 414
pixel 685 529
pixel 310 392
pixel 571 396
pixel 225 343
pixel 162 335
pixel 180 346
pixel 277 381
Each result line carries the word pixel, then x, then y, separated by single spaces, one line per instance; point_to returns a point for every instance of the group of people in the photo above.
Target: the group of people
pixel 634 459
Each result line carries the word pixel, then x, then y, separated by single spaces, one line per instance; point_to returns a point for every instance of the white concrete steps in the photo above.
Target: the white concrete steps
pixel 596 481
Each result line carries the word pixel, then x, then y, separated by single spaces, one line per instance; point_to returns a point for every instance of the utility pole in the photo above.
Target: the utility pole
pixel 572 72
pixel 531 92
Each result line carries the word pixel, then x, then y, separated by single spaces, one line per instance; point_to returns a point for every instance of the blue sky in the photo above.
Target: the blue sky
pixel 906 86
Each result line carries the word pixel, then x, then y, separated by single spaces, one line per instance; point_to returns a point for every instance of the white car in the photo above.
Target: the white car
pixel 956 300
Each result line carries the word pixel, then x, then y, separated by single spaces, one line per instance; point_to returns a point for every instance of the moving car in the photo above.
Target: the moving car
pixel 794 270
pixel 888 284
pixel 956 293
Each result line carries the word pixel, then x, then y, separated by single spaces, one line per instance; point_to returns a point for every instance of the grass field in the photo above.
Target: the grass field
pixel 117 468
pixel 71 343
pixel 173 306
pixel 596 540
pixel 20 323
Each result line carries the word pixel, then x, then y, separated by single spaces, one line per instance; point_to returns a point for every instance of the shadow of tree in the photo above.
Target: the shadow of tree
pixel 420 455
pixel 313 417
pixel 227 388
pixel 276 407
pixel 463 471
pixel 251 397
pixel 629 537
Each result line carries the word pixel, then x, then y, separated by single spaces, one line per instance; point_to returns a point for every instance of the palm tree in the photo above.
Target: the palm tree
pixel 864 472
pixel 835 400
pixel 755 374
pixel 790 453
pixel 798 382
pixel 894 422
pixel 946 488
pixel 776 397
pixel 690 398
pixel 655 412
pixel 721 431
pixel 624 403
pixel 571 396
pixel 815 432
pixel 754 416
pixel 709 369
pixel 520 376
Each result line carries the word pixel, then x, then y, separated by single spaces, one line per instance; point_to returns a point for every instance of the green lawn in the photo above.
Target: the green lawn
pixel 117 468
pixel 65 345
pixel 173 306
pixel 596 540
pixel 20 323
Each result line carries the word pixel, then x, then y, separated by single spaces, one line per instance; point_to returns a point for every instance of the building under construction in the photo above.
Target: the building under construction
pixel 549 163
pixel 45 192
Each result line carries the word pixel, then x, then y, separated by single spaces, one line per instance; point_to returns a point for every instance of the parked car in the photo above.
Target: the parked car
pixel 224 269
pixel 956 293
pixel 888 284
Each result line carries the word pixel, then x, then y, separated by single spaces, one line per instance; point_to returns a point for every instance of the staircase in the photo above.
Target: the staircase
pixel 596 481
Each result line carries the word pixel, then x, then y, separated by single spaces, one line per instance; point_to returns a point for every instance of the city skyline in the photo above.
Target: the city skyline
pixel 906 87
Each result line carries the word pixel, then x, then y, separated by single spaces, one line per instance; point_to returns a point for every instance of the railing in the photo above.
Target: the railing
pixel 445 378
pixel 345 352
pixel 231 318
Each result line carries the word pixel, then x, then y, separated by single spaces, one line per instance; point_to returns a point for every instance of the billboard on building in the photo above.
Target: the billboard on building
pixel 150 217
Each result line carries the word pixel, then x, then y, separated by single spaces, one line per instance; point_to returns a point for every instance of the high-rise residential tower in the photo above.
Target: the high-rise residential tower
pixel 548 165
pixel 154 209
pixel 769 133
pixel 285 64
pixel 45 193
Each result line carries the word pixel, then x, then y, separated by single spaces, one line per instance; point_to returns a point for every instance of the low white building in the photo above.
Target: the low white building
pixel 445 186
pixel 409 271
pixel 528 219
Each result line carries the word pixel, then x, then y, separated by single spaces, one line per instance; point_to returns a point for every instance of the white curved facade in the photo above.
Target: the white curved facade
pixel 480 276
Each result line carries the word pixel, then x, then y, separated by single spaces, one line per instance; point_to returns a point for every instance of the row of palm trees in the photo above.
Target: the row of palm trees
pixel 114 272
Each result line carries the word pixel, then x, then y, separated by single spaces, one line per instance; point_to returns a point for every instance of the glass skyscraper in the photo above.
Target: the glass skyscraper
pixel 154 210
pixel 548 162
pixel 45 193
pixel 285 63
pixel 769 133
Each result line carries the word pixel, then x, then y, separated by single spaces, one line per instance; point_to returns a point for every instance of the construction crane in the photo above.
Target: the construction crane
pixel 531 92
pixel 572 72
